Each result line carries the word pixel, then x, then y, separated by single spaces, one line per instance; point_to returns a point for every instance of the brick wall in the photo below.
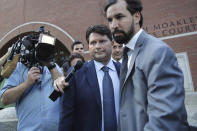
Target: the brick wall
pixel 162 18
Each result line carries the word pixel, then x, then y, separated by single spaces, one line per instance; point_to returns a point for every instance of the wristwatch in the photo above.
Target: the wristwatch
pixel 51 66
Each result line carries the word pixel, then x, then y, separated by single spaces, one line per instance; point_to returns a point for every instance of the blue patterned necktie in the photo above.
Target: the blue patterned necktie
pixel 110 122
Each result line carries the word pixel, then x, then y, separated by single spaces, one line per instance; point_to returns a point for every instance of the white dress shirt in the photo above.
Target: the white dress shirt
pixel 131 45
pixel 117 61
pixel 115 80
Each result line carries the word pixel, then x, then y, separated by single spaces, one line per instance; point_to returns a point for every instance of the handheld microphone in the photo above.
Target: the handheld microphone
pixel 55 94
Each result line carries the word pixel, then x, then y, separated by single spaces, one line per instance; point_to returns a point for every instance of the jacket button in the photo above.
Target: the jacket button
pixel 123 114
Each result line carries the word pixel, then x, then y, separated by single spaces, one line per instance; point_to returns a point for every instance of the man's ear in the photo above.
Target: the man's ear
pixel 137 17
pixel 112 42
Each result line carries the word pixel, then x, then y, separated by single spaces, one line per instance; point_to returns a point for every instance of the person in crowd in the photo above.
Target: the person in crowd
pixel 2 79
pixel 65 67
pixel 4 58
pixel 91 102
pixel 151 82
pixel 77 47
pixel 29 89
pixel 117 51
pixel 73 58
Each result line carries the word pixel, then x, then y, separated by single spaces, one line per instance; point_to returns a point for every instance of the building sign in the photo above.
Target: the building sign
pixel 173 27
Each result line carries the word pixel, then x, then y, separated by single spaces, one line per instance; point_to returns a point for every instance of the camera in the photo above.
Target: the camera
pixel 36 47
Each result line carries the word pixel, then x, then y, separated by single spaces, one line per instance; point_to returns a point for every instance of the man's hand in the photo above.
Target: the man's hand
pixel 50 65
pixel 9 50
pixel 59 84
pixel 33 75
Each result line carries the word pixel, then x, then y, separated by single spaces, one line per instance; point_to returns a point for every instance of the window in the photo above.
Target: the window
pixel 184 65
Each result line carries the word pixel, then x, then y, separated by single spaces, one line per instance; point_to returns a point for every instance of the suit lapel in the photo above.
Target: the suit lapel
pixel 138 46
pixel 93 82
pixel 117 66
pixel 135 53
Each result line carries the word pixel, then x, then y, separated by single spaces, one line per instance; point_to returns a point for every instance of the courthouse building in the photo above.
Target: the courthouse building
pixel 173 21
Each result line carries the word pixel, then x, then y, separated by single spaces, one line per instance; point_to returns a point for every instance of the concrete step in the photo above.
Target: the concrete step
pixel 191 98
pixel 8 119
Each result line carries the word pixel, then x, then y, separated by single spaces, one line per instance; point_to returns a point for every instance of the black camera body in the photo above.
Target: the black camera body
pixel 37 47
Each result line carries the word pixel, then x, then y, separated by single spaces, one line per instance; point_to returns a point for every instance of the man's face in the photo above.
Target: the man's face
pixel 78 48
pixel 100 48
pixel 117 51
pixel 121 22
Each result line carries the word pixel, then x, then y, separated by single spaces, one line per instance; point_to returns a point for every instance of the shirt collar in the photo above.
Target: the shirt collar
pixel 99 65
pixel 131 44
pixel 115 60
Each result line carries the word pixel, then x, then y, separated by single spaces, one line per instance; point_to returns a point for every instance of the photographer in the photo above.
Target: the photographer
pixel 29 88
pixel 2 61
pixel 4 58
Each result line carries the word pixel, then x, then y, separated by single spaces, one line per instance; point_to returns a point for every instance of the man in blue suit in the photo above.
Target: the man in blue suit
pixel 151 83
pixel 91 103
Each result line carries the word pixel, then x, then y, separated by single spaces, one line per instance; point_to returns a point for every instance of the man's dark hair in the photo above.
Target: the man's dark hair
pixel 133 6
pixel 100 29
pixel 73 56
pixel 65 66
pixel 76 43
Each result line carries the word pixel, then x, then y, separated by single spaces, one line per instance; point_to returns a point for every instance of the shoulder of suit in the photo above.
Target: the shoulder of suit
pixel 152 42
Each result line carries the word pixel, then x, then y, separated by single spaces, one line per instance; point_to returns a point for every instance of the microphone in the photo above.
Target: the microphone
pixel 55 94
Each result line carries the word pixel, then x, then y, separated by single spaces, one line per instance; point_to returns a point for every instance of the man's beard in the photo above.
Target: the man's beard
pixel 124 37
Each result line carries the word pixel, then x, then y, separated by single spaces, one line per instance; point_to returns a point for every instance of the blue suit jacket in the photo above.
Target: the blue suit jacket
pixel 81 110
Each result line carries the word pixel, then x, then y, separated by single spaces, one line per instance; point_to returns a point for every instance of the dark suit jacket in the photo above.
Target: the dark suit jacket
pixel 81 110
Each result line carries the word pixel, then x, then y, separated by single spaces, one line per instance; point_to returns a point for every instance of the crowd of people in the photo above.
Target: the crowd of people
pixel 131 83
